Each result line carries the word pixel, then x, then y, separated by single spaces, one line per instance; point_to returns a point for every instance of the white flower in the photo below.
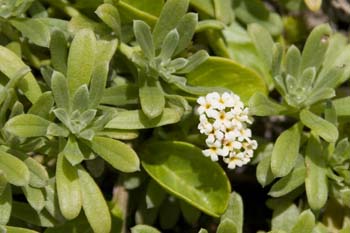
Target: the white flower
pixel 224 120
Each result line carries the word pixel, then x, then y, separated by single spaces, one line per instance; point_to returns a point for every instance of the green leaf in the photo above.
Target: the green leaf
pixel 68 188
pixel 293 60
pixel 254 11
pixel 5 204
pixel 27 214
pixel 27 125
pixel 81 59
pixel 144 38
pixel 342 106
pixel 261 105
pixel 313 5
pixel 60 90
pixel 38 173
pixel 136 119
pixel 120 95
pixel 228 74
pixel 234 212
pixel 35 197
pixel 169 45
pixel 152 98
pixel 72 151
pixel 319 126
pixel 263 171
pixel 94 204
pixel 288 183
pixel 190 213
pixel 181 169
pixel 315 47
pixel 59 51
pixel 263 43
pixel 43 105
pixel 169 213
pixel 80 100
pixel 202 231
pixel 10 64
pixel 19 230
pixel 118 134
pixel 224 11
pixel 168 20
pixel 281 162
pixel 205 6
pixel 227 226
pixel 186 28
pixel 110 16
pixel 105 52
pixel 194 61
pixel 35 30
pixel 284 217
pixel 316 184
pixel 155 195
pixel 305 222
pixel 116 153
pixel 144 229
pixel 15 171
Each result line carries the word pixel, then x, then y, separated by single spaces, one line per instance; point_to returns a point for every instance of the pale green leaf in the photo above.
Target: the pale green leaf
pixel 284 217
pixel 169 45
pixel 305 222
pixel 72 151
pixel 116 153
pixel 136 119
pixel 227 226
pixel 81 59
pixel 319 126
pixel 94 204
pixel 144 38
pixel 144 229
pixel 186 28
pixel 19 230
pixel 152 98
pixel 5 204
pixel 35 197
pixel 293 60
pixel 15 171
pixel 43 105
pixel 59 51
pixel 281 162
pixel 68 188
pixel 261 105
pixel 27 125
pixel 120 95
pixel 60 90
pixel 224 11
pixel 234 212
pixel 110 16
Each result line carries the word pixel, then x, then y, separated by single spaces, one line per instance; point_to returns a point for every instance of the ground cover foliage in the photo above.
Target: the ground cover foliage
pixel 103 125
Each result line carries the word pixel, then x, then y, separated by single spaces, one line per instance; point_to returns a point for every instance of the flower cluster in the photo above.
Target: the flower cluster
pixel 224 119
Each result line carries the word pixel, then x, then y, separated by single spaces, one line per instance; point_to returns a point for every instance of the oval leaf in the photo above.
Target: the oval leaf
pixel 285 152
pixel 228 74
pixel 116 153
pixel 5 204
pixel 16 172
pixel 144 229
pixel 182 170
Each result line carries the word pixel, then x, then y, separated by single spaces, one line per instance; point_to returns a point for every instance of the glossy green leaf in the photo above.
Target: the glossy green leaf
pixel 35 197
pixel 68 188
pixel 43 105
pixel 10 64
pixel 27 125
pixel 59 51
pixel 136 119
pixel 5 204
pixel 168 20
pixel 316 184
pixel 15 171
pixel 81 59
pixel 234 212
pixel 94 204
pixel 110 16
pixel 227 226
pixel 263 43
pixel 26 213
pixel 241 80
pixel 281 162
pixel 144 38
pixel 315 47
pixel 105 52
pixel 152 98
pixel 35 30
pixel 305 222
pixel 261 105
pixel 144 229
pixel 319 126
pixel 116 153
pixel 182 170
pixel 288 183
